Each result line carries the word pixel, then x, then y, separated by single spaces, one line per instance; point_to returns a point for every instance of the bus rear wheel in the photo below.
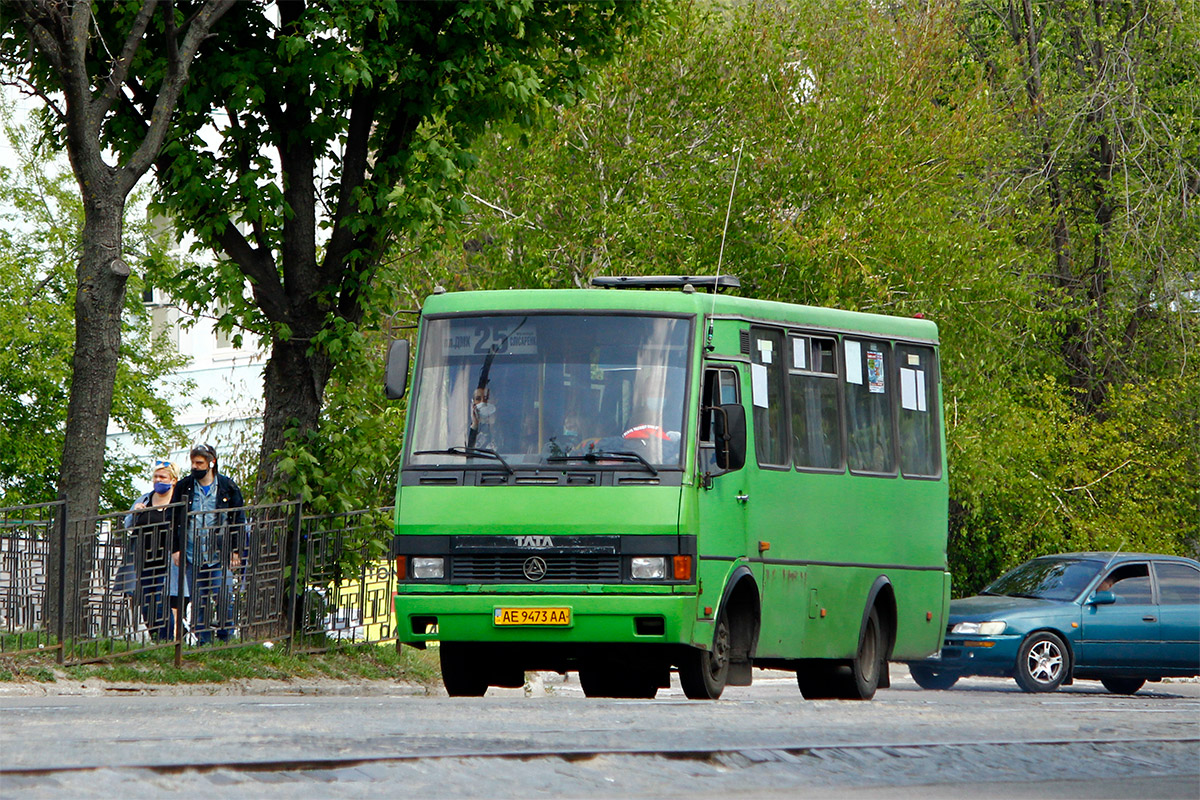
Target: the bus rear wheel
pixel 854 680
pixel 461 672
pixel 704 673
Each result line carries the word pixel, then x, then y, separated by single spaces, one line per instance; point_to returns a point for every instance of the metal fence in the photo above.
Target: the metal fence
pixel 100 587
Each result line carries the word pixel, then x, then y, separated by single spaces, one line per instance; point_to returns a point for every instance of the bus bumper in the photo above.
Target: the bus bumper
pixel 608 618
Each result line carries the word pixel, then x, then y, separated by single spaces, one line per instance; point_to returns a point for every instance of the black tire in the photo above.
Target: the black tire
pixel 608 680
pixel 461 672
pixel 867 664
pixel 1123 685
pixel 928 677
pixel 704 673
pixel 857 679
pixel 817 680
pixel 1042 663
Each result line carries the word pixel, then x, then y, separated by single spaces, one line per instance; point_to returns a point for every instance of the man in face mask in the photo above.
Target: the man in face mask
pixel 208 541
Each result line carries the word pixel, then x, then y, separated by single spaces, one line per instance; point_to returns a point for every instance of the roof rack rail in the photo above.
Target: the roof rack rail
pixel 707 282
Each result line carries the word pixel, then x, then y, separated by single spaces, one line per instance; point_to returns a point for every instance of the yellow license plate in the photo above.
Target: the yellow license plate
pixel 532 616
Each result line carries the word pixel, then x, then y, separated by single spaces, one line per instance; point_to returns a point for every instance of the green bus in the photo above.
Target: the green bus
pixel 654 475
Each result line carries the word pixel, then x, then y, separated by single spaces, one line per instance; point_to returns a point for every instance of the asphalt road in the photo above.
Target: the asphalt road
pixel 984 738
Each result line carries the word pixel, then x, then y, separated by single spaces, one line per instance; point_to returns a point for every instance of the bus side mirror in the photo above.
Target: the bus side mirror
pixel 729 423
pixel 396 374
pixel 1102 598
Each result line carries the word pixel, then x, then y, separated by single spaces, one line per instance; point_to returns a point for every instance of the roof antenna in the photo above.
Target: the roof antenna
pixel 708 342
pixel 1113 557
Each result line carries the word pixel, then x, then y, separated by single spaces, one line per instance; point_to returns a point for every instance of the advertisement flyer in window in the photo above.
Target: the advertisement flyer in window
pixel 875 371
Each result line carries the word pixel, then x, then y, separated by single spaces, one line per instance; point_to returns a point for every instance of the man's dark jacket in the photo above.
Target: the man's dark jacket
pixel 232 524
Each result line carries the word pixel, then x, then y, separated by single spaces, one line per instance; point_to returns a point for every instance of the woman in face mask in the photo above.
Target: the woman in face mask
pixel 151 523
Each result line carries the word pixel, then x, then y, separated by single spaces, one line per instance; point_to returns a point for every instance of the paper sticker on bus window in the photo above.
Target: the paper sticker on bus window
pixel 875 371
pixel 758 385
pixel 908 389
pixel 766 350
pixel 853 361
pixel 921 391
pixel 914 359
pixel 799 353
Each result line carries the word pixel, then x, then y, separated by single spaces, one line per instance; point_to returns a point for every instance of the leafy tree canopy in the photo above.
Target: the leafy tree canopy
pixel 308 141
pixel 880 170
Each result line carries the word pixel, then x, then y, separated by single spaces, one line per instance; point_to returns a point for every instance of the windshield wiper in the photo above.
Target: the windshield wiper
pixel 597 456
pixel 467 452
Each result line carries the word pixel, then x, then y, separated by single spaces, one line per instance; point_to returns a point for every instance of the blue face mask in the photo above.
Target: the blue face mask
pixel 162 488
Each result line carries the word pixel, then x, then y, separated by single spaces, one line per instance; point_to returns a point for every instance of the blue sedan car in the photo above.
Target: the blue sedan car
pixel 1122 619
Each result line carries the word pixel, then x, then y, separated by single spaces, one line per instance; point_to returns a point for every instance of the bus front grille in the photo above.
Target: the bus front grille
pixel 559 568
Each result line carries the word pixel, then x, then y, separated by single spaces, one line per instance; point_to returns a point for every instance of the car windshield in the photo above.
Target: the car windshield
pixel 1047 578
pixel 551 389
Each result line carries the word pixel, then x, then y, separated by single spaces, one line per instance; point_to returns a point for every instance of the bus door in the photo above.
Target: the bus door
pixel 722 502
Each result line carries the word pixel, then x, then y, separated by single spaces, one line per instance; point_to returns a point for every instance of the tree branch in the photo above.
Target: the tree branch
pixel 160 116
pixel 260 268
pixel 116 78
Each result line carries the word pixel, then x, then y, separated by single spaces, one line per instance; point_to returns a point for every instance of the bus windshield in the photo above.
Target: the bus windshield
pixel 559 390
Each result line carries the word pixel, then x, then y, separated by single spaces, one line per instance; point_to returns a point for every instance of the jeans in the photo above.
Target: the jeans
pixel 156 606
pixel 212 593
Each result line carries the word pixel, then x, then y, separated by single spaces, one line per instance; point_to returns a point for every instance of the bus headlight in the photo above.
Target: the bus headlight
pixel 429 568
pixel 980 628
pixel 649 568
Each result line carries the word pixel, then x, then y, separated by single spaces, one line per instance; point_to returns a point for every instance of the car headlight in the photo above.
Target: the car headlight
pixel 427 568
pixel 649 568
pixel 980 628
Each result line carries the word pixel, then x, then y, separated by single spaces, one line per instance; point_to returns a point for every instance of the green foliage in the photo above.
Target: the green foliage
pixel 39 248
pixel 882 169
pixel 370 107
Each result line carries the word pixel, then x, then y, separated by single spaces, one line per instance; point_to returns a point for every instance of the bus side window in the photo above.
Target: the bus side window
pixel 816 412
pixel 920 445
pixel 767 371
pixel 870 436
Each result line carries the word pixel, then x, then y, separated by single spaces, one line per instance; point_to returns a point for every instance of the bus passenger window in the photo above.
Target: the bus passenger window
pixel 816 418
pixel 920 450
pixel 869 435
pixel 770 420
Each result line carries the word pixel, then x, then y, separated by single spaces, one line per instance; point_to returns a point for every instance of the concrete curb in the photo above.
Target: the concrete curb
pixel 95 687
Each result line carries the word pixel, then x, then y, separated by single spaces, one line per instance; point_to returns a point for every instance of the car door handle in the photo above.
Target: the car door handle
pixel 743 497
pixel 1149 619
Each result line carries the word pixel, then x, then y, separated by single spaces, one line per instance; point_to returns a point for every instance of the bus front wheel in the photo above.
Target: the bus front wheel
pixel 461 672
pixel 703 673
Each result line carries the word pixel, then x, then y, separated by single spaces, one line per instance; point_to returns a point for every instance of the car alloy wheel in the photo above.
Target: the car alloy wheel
pixel 1041 663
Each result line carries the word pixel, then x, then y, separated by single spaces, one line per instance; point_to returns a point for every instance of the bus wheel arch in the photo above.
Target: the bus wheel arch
pixel 704 673
pixel 742 608
pixel 882 598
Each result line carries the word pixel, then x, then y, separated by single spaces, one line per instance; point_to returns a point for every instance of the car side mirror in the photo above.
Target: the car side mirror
pixel 1102 598
pixel 396 374
pixel 729 428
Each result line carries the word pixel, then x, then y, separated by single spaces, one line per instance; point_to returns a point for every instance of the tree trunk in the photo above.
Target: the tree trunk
pixel 101 278
pixel 294 388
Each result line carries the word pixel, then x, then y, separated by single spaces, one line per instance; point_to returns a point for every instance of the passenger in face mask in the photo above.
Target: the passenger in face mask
pixel 209 538
pixel 483 415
